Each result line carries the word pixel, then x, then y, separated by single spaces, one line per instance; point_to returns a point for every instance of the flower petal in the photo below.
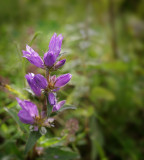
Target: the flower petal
pixel 52 42
pixel 32 84
pixel 49 58
pixel 55 44
pixel 33 57
pixel 56 89
pixel 59 64
pixel 63 80
pixel 58 105
pixel 28 106
pixel 25 117
pixel 40 81
pixel 52 98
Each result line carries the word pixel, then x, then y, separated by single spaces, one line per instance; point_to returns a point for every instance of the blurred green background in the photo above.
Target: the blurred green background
pixel 103 45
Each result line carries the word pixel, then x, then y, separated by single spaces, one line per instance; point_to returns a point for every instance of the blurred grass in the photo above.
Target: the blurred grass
pixel 107 89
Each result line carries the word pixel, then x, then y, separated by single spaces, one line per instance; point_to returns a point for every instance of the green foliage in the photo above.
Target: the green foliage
pixel 101 93
pixel 106 89
pixel 13 114
pixel 33 137
pixel 57 153
pixel 47 142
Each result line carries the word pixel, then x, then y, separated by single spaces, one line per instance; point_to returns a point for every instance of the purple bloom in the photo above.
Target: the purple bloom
pixel 57 106
pixel 55 44
pixel 59 64
pixel 36 82
pixel 63 80
pixel 28 113
pixel 56 83
pixel 54 50
pixel 51 98
pixel 40 81
pixel 33 57
pixel 50 57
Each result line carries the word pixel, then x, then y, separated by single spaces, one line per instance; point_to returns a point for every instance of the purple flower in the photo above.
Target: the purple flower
pixel 50 57
pixel 59 64
pixel 55 44
pixel 40 81
pixel 28 113
pixel 33 57
pixel 57 106
pixel 56 83
pixel 52 98
pixel 36 82
pixel 63 80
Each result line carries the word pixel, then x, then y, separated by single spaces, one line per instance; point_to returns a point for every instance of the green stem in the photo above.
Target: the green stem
pixel 49 107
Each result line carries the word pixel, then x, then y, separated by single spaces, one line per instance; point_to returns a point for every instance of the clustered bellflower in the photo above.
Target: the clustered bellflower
pixel 50 57
pixel 49 85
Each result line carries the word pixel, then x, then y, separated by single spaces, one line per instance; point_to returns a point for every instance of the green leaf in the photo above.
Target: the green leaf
pixel 51 141
pixel 101 93
pixel 65 107
pixel 33 137
pixel 34 37
pixel 59 154
pixel 13 114
pixel 97 140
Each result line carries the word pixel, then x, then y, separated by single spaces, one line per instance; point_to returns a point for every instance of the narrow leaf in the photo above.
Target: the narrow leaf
pixel 13 114
pixel 51 141
pixel 33 137
pixel 34 37
pixel 65 107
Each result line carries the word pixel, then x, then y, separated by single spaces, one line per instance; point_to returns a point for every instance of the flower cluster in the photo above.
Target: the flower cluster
pixel 48 85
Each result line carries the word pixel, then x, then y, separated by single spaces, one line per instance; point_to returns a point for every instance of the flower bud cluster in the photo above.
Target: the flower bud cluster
pixel 39 84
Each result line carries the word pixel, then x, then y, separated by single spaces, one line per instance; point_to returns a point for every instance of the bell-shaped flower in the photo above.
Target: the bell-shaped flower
pixel 50 57
pixel 55 44
pixel 62 80
pixel 33 57
pixel 36 82
pixel 52 98
pixel 28 113
pixel 58 105
pixel 56 83
pixel 59 64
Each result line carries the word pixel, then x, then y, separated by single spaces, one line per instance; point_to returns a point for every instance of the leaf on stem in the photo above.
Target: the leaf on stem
pixel 33 137
pixel 65 107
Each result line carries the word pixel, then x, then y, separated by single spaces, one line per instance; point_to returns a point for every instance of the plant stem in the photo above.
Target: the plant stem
pixel 47 75
pixel 49 107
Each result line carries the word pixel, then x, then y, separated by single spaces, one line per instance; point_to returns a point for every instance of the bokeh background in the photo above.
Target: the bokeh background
pixel 103 45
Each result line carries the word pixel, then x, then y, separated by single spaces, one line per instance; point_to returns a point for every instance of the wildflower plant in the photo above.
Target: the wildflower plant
pixel 40 120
